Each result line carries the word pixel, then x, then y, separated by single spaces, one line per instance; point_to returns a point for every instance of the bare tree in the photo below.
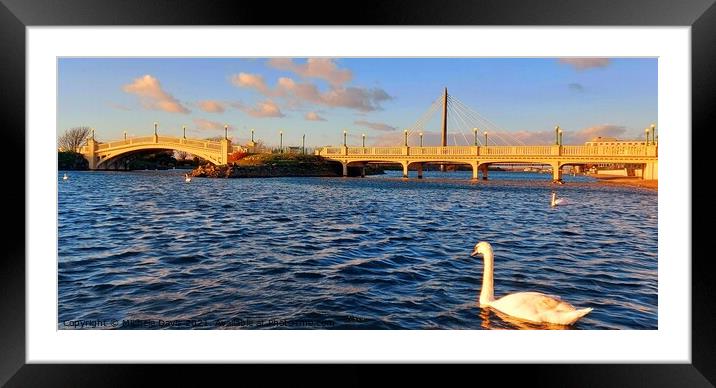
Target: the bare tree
pixel 73 138
pixel 260 146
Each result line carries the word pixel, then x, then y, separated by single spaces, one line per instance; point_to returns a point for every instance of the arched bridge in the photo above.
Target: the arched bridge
pixel 108 155
pixel 480 157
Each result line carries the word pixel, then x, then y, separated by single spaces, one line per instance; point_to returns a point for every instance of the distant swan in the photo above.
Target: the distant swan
pixel 557 201
pixel 187 178
pixel 527 306
pixel 64 178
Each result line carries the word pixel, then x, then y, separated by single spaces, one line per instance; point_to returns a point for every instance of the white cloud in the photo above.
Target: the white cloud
pixel 320 68
pixel 606 130
pixel 207 125
pixel 548 137
pixel 313 116
pixel 361 99
pixel 212 106
pixel 246 80
pixel 152 96
pixel 377 126
pixel 266 108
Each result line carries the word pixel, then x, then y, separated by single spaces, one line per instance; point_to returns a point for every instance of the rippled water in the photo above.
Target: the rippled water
pixel 147 250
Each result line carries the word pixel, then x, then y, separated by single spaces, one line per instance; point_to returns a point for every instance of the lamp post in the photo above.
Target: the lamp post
pixel 406 137
pixel 303 144
pixel 474 130
pixel 226 131
pixel 560 136
pixel 647 136
pixel 183 128
pixel 556 135
pixel 252 135
pixel 125 135
pixel 280 142
pixel 345 138
pixel 485 138
pixel 155 128
pixel 92 133
pixel 364 140
pixel 653 133
pixel 421 139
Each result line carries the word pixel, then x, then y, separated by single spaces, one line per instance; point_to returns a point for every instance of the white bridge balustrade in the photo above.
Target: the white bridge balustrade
pixel 480 157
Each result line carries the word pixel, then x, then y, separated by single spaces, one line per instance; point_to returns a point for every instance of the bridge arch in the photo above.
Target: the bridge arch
pixel 104 159
pixel 102 155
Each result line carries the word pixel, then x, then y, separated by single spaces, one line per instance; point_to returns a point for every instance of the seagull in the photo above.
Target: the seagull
pixel 64 178
pixel 187 178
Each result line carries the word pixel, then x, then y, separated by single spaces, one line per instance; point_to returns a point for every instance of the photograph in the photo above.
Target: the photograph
pixel 357 193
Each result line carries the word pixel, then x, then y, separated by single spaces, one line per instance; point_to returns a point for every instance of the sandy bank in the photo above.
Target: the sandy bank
pixel 627 181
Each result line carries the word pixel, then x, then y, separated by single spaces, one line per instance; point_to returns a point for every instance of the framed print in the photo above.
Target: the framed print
pixel 411 189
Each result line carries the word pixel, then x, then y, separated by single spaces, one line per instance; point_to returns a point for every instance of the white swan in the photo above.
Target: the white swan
pixel 187 178
pixel 527 306
pixel 64 178
pixel 557 201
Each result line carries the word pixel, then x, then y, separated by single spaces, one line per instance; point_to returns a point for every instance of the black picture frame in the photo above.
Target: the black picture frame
pixel 16 15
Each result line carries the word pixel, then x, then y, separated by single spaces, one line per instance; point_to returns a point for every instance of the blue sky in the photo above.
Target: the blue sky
pixel 523 97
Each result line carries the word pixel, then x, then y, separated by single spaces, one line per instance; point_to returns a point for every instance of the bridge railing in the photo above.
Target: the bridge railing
pixel 608 150
pixel 208 144
pixel 168 139
pixel 455 150
pixel 517 150
pixel 530 150
pixel 141 139
pixel 375 150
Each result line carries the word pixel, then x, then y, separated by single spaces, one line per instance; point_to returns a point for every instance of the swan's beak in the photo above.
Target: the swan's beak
pixel 475 253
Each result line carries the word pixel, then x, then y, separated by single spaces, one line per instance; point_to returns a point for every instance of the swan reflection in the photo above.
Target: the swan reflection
pixel 495 320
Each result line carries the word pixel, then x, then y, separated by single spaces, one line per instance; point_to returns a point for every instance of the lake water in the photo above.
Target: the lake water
pixel 145 250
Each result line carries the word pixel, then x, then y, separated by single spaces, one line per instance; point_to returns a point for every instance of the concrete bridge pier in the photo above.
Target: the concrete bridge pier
pixel 405 169
pixel 475 170
pixel 556 172
pixel 651 170
pixel 362 171
pixel 90 153
pixel 345 168
pixel 420 171
pixel 483 167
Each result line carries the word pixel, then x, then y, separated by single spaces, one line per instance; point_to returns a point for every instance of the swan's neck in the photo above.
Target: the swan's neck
pixel 487 293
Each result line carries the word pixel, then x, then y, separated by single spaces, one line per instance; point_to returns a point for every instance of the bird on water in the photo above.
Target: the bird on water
pixel 556 201
pixel 532 307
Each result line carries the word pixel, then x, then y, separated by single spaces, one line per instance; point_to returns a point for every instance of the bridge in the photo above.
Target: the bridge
pixel 112 154
pixel 480 157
